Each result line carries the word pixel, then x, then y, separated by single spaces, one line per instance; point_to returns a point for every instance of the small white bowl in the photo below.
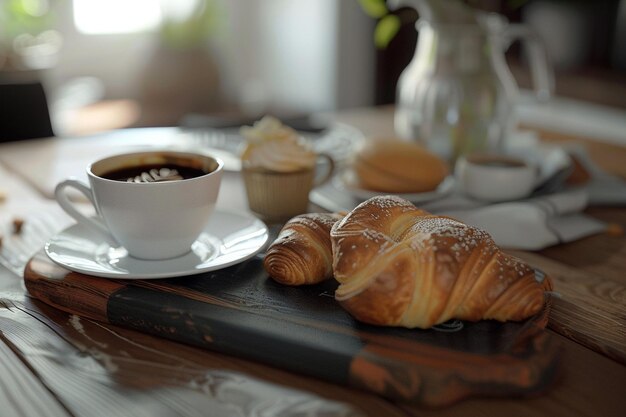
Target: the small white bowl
pixel 493 178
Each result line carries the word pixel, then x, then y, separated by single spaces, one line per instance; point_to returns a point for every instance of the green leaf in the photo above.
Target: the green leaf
pixel 385 30
pixel 374 8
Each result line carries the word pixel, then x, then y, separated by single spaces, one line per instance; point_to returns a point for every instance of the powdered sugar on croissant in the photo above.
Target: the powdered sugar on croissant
pixel 401 266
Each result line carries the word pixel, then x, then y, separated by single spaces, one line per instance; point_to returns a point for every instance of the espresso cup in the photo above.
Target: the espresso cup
pixel 155 204
pixel 494 178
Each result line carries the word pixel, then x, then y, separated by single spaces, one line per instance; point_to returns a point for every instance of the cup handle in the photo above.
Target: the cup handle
pixel 96 224
pixel 321 179
pixel 541 70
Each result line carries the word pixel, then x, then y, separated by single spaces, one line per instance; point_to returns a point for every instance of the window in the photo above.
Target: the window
pixel 96 17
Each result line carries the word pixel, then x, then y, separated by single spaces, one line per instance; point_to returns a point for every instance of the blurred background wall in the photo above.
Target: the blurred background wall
pixel 116 63
pixel 157 60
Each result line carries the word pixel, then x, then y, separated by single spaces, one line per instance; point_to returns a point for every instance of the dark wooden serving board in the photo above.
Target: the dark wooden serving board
pixel 240 311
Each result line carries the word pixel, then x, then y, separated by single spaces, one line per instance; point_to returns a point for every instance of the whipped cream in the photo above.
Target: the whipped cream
pixel 275 147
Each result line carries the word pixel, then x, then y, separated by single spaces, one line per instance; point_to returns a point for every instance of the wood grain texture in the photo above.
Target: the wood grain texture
pixel 590 385
pixel 71 292
pixel 590 309
pixel 590 275
pixel 240 311
pixel 442 378
pixel 98 370
pixel 603 254
pixel 22 394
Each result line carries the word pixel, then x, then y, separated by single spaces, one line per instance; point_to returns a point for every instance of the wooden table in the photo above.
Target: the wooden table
pixel 52 363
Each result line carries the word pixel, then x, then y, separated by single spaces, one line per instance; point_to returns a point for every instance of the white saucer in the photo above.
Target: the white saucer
pixel 229 238
pixel 346 181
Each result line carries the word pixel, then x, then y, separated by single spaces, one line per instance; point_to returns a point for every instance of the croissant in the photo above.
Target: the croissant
pixel 302 253
pixel 401 266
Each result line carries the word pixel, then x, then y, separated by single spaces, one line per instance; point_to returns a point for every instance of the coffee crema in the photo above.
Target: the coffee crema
pixel 150 173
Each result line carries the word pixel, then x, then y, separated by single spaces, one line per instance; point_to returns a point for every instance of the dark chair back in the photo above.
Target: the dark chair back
pixel 24 112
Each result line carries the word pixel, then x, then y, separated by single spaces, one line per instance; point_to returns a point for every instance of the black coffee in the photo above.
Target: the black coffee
pixel 154 173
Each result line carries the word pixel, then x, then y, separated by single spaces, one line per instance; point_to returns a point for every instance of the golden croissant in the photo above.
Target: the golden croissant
pixel 302 253
pixel 400 266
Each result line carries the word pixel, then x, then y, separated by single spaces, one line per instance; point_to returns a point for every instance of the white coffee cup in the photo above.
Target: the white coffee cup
pixel 493 178
pixel 151 220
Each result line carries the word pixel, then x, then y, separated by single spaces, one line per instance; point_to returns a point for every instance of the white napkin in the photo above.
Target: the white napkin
pixel 530 224
pixel 603 188
pixel 545 220
pixel 555 215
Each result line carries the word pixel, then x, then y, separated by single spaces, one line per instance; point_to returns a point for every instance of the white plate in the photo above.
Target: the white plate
pixel 346 181
pixel 229 238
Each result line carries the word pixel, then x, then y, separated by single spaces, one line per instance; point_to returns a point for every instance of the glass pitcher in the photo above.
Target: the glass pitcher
pixel 457 95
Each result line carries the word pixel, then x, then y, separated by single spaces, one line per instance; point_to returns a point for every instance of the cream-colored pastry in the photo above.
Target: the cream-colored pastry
pixel 272 146
pixel 393 166
pixel 278 169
